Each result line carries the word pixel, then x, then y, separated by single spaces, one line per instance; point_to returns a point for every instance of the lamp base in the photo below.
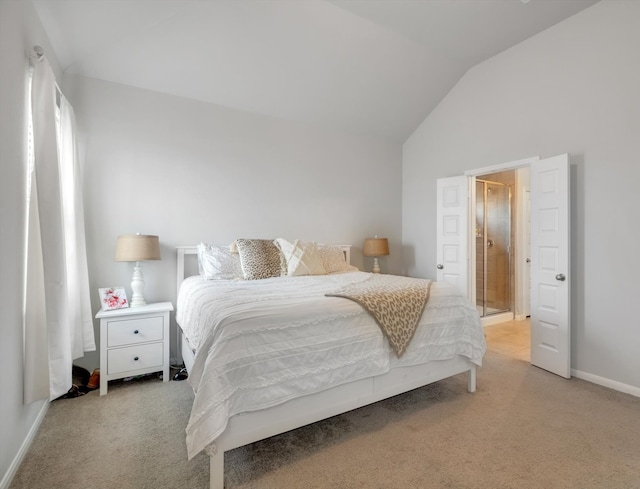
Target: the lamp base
pixel 137 287
pixel 376 265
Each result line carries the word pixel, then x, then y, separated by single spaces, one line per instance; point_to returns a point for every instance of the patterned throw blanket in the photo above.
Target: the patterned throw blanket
pixel 396 303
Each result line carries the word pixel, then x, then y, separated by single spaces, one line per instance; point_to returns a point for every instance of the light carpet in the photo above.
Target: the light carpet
pixel 523 428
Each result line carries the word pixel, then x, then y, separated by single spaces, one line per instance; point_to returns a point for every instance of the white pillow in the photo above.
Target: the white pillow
pixel 302 257
pixel 333 259
pixel 218 263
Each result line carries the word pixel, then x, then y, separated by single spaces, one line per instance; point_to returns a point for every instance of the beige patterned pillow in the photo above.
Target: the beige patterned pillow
pixel 302 257
pixel 333 259
pixel 260 258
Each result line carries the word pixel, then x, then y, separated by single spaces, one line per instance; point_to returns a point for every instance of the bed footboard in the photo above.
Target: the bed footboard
pixel 250 427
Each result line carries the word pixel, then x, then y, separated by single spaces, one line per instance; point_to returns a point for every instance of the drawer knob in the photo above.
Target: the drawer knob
pixel 135 358
pixel 135 331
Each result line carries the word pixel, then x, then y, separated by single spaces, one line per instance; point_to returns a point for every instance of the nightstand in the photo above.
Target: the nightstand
pixel 134 341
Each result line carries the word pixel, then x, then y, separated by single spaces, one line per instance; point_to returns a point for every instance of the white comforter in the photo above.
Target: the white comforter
pixel 260 343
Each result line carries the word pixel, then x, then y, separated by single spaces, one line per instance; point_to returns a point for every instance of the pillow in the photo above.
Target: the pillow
pixel 260 258
pixel 333 259
pixel 218 263
pixel 302 257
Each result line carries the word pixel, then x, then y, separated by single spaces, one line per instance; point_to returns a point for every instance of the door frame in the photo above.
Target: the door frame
pixel 551 324
pixel 523 250
pixel 471 176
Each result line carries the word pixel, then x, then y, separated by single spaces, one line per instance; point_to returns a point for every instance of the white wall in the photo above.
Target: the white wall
pixel 20 30
pixel 190 172
pixel 574 88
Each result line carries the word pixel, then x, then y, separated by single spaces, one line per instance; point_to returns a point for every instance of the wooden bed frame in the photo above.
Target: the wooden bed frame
pixel 250 427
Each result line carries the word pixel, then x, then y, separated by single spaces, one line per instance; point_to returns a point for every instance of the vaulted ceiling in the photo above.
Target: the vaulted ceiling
pixel 377 67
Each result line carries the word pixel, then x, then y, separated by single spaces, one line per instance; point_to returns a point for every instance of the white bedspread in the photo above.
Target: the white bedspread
pixel 260 343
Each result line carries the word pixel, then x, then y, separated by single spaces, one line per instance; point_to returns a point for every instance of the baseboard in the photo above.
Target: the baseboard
pixel 496 318
pixel 611 384
pixel 26 444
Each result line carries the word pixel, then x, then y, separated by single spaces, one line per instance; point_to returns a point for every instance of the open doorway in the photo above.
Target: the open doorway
pixel 502 232
pixel 550 279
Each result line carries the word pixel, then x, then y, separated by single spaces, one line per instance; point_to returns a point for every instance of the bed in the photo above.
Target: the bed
pixel 271 355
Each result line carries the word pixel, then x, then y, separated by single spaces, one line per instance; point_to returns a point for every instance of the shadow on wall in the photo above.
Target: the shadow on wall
pixel 576 181
pixel 408 258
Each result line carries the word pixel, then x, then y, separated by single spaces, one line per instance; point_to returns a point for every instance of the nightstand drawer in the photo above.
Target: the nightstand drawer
pixel 135 358
pixel 131 331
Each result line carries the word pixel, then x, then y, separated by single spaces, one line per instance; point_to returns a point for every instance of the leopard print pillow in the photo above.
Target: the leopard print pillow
pixel 260 258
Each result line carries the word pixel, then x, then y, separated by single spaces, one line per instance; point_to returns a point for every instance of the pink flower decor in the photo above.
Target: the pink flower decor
pixel 113 298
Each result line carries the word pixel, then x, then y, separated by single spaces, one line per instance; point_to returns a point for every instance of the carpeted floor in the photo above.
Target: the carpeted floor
pixel 523 428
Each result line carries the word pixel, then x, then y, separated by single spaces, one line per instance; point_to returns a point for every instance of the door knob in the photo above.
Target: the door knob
pixel 560 277
pixel 528 260
pixel 440 266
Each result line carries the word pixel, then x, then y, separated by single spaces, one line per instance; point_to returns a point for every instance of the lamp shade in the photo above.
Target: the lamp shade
pixel 137 247
pixel 376 247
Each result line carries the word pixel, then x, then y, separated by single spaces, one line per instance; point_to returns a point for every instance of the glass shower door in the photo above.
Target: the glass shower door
pixel 493 247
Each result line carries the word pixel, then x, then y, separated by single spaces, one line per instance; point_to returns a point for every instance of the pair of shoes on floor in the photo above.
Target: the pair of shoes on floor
pixel 75 391
pixel 181 375
pixel 94 380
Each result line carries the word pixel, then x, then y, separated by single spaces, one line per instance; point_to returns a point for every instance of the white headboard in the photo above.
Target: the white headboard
pixel 183 251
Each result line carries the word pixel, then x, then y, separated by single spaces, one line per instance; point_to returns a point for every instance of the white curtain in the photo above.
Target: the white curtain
pixel 79 302
pixel 58 324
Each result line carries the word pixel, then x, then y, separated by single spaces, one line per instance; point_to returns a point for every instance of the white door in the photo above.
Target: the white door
pixel 452 232
pixel 550 277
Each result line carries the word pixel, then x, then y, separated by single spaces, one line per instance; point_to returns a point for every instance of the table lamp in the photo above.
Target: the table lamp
pixel 137 248
pixel 376 247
